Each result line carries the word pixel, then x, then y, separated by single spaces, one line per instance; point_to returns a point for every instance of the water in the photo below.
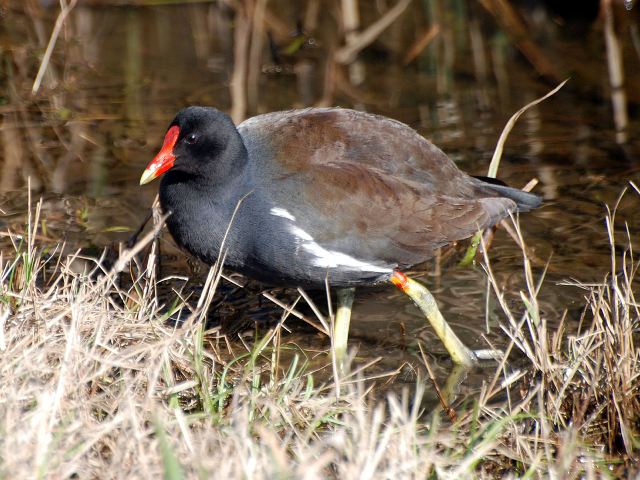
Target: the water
pixel 120 72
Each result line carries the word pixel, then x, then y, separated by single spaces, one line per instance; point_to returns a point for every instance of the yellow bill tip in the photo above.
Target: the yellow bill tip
pixel 147 176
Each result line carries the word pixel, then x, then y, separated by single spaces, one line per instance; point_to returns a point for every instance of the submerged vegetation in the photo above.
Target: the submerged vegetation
pixel 96 381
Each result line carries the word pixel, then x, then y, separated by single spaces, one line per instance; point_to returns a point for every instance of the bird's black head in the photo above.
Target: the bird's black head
pixel 201 143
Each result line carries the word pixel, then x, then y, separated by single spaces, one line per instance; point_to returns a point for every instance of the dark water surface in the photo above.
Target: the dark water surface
pixel 119 73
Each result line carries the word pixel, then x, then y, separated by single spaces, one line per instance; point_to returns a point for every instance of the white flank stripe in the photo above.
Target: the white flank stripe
pixel 331 258
pixel 302 235
pixel 281 212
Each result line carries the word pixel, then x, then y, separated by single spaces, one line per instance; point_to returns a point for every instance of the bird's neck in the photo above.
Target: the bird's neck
pixel 200 217
pixel 202 206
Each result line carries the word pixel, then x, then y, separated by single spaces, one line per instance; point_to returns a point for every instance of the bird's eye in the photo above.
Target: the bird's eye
pixel 191 138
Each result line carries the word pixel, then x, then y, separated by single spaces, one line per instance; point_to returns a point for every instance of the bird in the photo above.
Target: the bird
pixel 310 197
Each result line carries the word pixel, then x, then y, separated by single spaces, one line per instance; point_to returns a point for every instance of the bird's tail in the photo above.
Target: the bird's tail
pixel 525 201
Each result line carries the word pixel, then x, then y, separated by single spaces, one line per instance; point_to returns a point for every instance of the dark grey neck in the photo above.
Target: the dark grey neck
pixel 202 208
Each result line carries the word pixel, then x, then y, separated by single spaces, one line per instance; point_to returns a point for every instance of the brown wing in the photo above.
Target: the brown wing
pixel 333 136
pixel 378 189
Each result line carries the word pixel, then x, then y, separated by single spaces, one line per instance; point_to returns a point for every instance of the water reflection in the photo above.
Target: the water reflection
pixel 455 71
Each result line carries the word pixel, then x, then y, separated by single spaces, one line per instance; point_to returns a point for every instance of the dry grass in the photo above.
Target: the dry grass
pixel 97 384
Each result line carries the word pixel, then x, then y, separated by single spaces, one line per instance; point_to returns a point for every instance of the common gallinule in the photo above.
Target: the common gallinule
pixel 322 194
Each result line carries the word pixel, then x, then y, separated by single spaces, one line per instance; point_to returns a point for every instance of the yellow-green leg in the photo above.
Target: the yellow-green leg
pixel 427 304
pixel 341 326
